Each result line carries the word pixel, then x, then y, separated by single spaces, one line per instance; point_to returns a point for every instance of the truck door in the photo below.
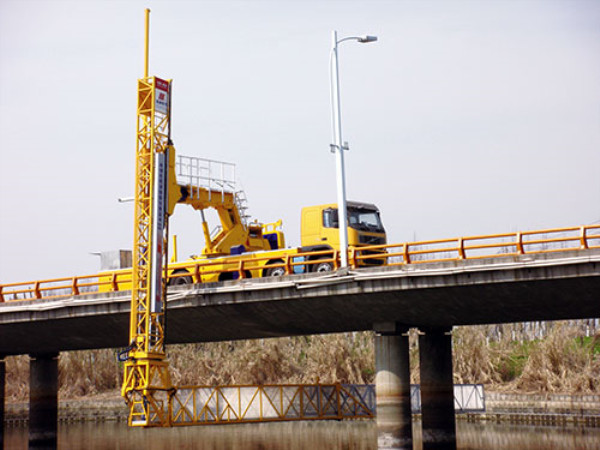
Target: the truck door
pixel 330 233
pixel 311 226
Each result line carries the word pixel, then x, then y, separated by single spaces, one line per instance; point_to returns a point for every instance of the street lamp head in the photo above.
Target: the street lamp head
pixel 366 39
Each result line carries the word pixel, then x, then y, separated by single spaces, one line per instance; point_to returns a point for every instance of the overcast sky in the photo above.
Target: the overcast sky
pixel 466 117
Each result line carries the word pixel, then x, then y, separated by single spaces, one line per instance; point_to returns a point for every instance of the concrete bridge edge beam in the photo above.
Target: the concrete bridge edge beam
pixel 43 401
pixel 437 389
pixel 392 387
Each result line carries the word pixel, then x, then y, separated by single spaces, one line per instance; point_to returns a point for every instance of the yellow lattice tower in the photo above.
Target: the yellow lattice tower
pixel 147 385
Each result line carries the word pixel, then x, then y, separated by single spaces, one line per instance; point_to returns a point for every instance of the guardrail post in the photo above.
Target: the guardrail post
pixel 583 238
pixel 406 254
pixel 352 258
pixel 288 268
pixel 43 401
pixel 1 295
pixel 437 389
pixel 37 291
pixel 113 282
pixel 338 393
pixel 519 243
pixel 461 248
pixel 392 387
pixel 74 287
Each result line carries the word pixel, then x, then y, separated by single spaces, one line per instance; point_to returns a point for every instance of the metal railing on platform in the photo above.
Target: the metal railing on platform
pixel 440 250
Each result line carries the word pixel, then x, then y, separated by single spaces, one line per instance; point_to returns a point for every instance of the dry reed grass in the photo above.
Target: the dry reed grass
pixel 562 362
pixel 17 378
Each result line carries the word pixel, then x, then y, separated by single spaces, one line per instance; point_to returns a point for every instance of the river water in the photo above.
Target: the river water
pixel 315 435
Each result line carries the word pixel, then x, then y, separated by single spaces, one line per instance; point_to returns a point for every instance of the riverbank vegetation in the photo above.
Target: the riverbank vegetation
pixel 554 357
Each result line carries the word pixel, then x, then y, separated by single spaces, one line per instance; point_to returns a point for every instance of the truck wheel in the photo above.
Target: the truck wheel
pixel 225 276
pixel 274 271
pixel 180 280
pixel 325 266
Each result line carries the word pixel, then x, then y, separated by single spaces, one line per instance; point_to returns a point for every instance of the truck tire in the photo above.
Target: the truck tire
pixel 325 266
pixel 180 280
pixel 274 271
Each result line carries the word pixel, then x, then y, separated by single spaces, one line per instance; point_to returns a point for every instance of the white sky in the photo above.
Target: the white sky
pixel 466 117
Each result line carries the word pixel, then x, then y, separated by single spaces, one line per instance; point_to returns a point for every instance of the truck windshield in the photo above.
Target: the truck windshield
pixel 365 219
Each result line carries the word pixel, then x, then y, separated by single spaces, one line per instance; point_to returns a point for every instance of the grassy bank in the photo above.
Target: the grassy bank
pixel 563 361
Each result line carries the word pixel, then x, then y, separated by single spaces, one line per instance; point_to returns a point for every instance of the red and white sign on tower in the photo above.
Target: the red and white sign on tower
pixel 161 96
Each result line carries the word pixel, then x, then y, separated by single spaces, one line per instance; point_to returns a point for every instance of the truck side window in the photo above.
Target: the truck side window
pixel 330 218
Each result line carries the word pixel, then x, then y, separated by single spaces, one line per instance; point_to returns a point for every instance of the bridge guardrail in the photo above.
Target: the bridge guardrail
pixel 439 250
pixel 485 246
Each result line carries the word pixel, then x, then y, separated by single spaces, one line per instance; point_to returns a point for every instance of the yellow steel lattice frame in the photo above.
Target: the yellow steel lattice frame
pixel 206 405
pixel 146 383
pixel 146 377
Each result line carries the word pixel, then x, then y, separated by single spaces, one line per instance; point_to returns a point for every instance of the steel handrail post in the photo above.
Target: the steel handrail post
pixel 583 237
pixel 339 400
pixel 197 273
pixel 114 283
pixel 260 400
pixel 519 243
pixel 352 259
pixel 74 287
pixel 461 248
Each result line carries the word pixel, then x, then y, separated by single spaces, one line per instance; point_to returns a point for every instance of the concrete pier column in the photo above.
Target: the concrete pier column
pixel 2 398
pixel 43 401
pixel 437 389
pixel 392 388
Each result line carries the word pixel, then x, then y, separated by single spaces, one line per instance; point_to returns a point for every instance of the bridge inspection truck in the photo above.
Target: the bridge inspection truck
pixel 242 249
pixel 239 248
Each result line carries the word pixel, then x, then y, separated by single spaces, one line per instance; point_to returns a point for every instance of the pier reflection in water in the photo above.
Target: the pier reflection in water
pixel 302 435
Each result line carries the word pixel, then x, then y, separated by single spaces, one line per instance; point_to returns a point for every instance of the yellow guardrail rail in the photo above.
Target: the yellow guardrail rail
pixel 551 240
pixel 439 250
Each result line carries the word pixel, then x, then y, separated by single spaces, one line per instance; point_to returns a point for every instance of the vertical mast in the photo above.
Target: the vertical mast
pixel 147 385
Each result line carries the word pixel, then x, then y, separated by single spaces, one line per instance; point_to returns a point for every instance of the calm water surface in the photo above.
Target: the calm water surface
pixel 302 435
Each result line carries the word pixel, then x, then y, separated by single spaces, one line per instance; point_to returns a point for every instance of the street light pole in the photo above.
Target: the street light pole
pixel 338 145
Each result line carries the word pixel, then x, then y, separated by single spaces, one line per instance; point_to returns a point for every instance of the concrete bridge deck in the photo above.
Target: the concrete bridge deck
pixel 549 286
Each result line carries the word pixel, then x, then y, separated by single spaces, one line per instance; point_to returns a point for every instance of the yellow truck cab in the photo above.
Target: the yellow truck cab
pixel 320 227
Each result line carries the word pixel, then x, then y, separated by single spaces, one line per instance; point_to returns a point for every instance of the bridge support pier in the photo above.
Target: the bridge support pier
pixel 392 388
pixel 43 401
pixel 437 389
